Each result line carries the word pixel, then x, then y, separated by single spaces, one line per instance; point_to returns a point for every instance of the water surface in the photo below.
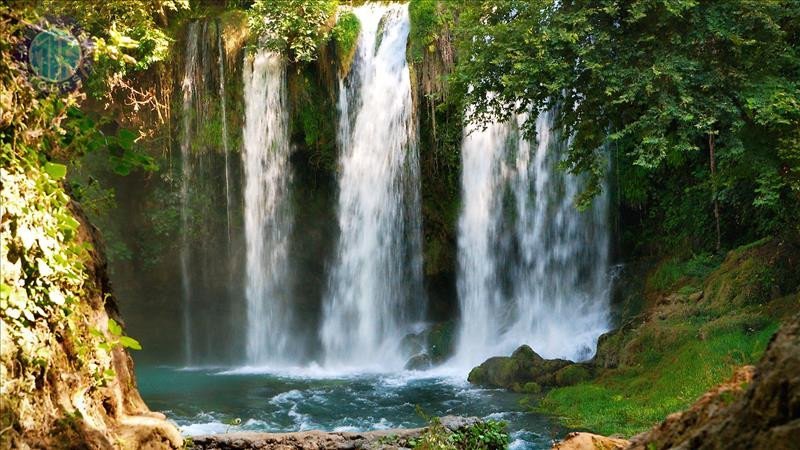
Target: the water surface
pixel 203 401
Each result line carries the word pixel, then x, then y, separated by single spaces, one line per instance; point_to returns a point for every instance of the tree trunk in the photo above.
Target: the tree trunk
pixel 713 165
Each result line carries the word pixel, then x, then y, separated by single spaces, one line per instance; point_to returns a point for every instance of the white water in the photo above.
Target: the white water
pixel 532 268
pixel 374 293
pixel 188 93
pixel 267 218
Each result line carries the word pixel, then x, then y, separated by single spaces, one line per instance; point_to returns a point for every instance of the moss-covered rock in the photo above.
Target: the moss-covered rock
pixel 572 374
pixel 431 346
pixel 525 370
pixel 345 37
pixel 754 274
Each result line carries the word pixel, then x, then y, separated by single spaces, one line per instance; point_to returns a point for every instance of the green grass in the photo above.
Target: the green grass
pixel 674 272
pixel 631 400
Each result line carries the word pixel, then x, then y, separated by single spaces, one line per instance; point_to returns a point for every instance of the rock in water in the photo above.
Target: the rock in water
pixel 525 368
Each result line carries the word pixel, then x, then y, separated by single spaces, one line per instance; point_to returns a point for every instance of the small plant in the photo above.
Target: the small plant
pixel 488 435
pixel 235 422
pixel 485 435
pixel 117 338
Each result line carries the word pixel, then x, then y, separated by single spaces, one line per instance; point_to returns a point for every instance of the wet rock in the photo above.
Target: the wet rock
pixel 320 440
pixel 437 342
pixel 421 361
pixel 526 366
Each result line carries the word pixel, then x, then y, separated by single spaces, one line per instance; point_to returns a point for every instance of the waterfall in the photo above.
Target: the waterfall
pixel 188 92
pixel 374 292
pixel 532 268
pixel 224 118
pixel 267 218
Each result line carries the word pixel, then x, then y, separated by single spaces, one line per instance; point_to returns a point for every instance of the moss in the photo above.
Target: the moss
pixel 679 348
pixel 743 279
pixel 441 340
pixel 573 374
pixel 313 125
pixel 530 387
pixel 345 37
pixel 631 400
pixel 477 375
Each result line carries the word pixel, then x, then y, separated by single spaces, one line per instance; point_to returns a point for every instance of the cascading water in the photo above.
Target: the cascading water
pixel 267 218
pixel 206 199
pixel 375 287
pixel 225 138
pixel 188 91
pixel 532 268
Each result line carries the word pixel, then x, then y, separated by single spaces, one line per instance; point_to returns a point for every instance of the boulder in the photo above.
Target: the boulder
pixel 589 441
pixel 526 371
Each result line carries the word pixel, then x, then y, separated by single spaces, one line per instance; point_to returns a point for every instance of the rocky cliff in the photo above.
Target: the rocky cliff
pixel 67 379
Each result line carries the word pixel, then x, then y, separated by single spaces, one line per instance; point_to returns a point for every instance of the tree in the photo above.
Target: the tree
pixel 293 27
pixel 663 82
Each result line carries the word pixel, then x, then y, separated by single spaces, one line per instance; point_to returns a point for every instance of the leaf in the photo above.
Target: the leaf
pixel 126 138
pixel 55 170
pixel 114 327
pixel 129 342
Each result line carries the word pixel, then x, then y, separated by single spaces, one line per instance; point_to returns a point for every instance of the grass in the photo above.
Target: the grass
pixel 631 400
pixel 674 271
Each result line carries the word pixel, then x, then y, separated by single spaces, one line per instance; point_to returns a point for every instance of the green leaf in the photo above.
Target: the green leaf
pixel 129 342
pixel 126 138
pixel 55 170
pixel 114 327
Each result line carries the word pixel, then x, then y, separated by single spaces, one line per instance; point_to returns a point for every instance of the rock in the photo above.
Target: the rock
pixel 436 342
pixel 421 361
pixel 320 440
pixel 589 441
pixel 696 297
pixel 758 408
pixel 413 343
pixel 58 389
pixel 440 341
pixel 526 366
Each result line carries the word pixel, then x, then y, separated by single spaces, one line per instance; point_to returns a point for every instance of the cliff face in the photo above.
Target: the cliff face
pixel 67 380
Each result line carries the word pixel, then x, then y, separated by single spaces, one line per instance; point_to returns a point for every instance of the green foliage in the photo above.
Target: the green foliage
pixel 691 272
pixel 661 82
pixel 115 338
pixel 488 435
pixel 345 36
pixel 128 35
pixel 572 374
pixel 293 27
pixel 484 435
pixel 688 344
pixel 425 21
pixel 633 400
